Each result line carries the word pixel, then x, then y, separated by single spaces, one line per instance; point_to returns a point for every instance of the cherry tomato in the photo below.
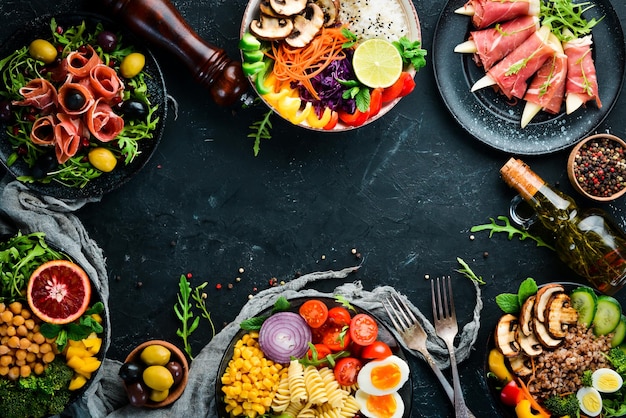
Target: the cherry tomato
pixel 346 370
pixel 363 329
pixel 376 101
pixel 408 86
pixel 336 338
pixel 339 316
pixel 392 92
pixel 317 334
pixel 357 118
pixel 314 312
pixel 511 394
pixel 375 351
pixel 334 118
pixel 322 351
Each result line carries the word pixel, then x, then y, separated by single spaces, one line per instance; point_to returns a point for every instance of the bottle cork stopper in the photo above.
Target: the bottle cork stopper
pixel 519 176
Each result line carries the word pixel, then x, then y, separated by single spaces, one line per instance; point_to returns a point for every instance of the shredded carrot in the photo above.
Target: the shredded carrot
pixel 531 399
pixel 302 64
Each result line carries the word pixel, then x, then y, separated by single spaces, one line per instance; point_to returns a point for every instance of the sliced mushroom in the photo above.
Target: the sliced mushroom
pixel 505 336
pixel 271 28
pixel 306 26
pixel 526 316
pixel 288 7
pixel 529 344
pixel 543 297
pixel 560 315
pixel 330 8
pixel 266 8
pixel 541 331
pixel 520 365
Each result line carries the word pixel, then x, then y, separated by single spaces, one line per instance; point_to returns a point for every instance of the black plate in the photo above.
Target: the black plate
pixel 40 28
pixel 7 225
pixel 504 410
pixel 486 114
pixel 384 334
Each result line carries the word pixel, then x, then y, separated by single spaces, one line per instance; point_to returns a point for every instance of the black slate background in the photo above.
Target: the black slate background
pixel 403 191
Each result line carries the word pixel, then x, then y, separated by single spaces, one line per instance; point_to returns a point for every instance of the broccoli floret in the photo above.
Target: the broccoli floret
pixel 37 396
pixel 617 357
pixel 586 378
pixel 563 405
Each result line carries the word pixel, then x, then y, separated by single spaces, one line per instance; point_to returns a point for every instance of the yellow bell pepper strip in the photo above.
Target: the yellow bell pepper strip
pixel 523 410
pixel 274 97
pixel 497 366
pixel 289 107
pixel 532 402
pixel 319 122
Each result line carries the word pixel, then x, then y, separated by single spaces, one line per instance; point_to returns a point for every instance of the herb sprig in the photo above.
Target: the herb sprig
pixel 467 271
pixel 512 302
pixel 183 310
pixel 200 297
pixel 411 52
pixel 509 229
pixel 261 130
pixel 74 331
pixel 565 18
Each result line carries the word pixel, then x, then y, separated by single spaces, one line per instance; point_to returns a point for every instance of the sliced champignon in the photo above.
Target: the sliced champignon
pixel 520 365
pixel 288 7
pixel 271 28
pixel 306 26
pixel 526 316
pixel 505 340
pixel 529 344
pixel 543 297
pixel 541 331
pixel 560 315
pixel 266 8
pixel 330 8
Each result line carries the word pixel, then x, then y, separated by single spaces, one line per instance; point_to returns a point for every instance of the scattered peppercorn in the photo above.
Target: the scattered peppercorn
pixel 230 285
pixel 485 254
pixel 189 275
pixel 218 286
pixel 600 167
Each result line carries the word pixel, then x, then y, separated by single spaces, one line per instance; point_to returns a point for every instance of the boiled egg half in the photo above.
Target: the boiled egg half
pixel 606 380
pixel 590 401
pixel 382 377
pixel 380 406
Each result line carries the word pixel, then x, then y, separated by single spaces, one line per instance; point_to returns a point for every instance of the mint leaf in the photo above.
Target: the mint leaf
pixel 527 288
pixel 281 305
pixel 253 324
pixel 508 302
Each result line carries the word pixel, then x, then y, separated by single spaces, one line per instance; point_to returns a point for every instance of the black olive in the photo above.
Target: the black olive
pixel 130 372
pixel 45 163
pixel 107 41
pixel 6 115
pixel 74 100
pixel 137 394
pixel 176 369
pixel 134 109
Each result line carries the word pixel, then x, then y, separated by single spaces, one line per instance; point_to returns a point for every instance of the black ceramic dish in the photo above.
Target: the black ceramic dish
pixel 384 334
pixel 7 225
pixel 40 28
pixel 489 117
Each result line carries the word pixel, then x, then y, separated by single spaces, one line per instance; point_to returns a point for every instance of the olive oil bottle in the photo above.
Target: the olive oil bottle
pixel 586 240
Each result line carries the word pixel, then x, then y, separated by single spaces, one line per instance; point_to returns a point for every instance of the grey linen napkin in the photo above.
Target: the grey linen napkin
pixel 106 397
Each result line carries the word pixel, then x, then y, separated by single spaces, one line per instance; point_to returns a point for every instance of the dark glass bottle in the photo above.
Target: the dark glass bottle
pixel 586 240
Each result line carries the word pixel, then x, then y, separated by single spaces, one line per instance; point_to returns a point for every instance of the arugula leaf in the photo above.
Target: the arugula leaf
pixel 467 271
pixel 344 302
pixel 183 312
pixel 565 18
pixel 261 130
pixel 510 230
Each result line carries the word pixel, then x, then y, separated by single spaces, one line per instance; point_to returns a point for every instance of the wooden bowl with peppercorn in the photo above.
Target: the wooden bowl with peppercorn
pixel 597 167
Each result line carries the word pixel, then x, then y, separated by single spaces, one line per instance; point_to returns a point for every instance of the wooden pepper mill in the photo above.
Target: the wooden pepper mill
pixel 161 24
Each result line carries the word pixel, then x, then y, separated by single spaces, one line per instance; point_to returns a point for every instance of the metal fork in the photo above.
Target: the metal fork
pixel 447 328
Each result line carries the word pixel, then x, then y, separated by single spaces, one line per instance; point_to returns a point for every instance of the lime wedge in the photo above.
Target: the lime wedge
pixel 377 63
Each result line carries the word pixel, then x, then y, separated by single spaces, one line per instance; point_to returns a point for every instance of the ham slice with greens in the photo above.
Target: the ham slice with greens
pixel 68 133
pixel 582 83
pixel 80 62
pixel 40 94
pixel 102 122
pixel 485 13
pixel 106 83
pixel 491 45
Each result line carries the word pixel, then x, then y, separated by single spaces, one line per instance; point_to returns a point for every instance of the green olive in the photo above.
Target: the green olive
pixel 155 354
pixel 103 159
pixel 132 64
pixel 158 378
pixel 159 395
pixel 42 50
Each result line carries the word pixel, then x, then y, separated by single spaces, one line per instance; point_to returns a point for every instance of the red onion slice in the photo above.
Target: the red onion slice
pixel 284 335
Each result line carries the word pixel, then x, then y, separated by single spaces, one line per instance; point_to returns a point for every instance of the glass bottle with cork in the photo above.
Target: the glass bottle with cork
pixel 586 240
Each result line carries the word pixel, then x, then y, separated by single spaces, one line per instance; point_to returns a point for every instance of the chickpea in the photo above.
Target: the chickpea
pixel 18 320
pixel 39 368
pixel 14 373
pixel 48 357
pixel 16 307
pixel 34 348
pixel 25 370
pixel 6 316
pixel 4 350
pixel 20 354
pixel 14 341
pixel 39 338
pixel 4 370
pixel 11 331
pixel 45 348
pixel 26 314
pixel 22 331
pixel 31 358
pixel 29 324
pixel 6 360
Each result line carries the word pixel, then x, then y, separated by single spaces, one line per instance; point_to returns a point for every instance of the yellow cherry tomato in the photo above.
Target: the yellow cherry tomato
pixel 103 159
pixel 42 50
pixel 132 64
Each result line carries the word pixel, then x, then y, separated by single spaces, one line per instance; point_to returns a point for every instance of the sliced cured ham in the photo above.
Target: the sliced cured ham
pixel 68 133
pixel 42 132
pixel 102 122
pixel 491 45
pixel 80 62
pixel 547 88
pixel 75 99
pixel 40 94
pixel 105 82
pixel 485 13
pixel 511 74
pixel 582 83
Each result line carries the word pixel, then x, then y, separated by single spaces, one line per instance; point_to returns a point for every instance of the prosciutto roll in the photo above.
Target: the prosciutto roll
pixel 102 122
pixel 80 62
pixel 582 83
pixel 495 43
pixel 487 12
pixel 547 88
pixel 105 82
pixel 75 99
pixel 42 132
pixel 67 136
pixel 40 94
pixel 512 73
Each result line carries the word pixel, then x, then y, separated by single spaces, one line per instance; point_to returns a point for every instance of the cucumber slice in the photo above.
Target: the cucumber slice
pixel 584 300
pixel 619 332
pixel 608 315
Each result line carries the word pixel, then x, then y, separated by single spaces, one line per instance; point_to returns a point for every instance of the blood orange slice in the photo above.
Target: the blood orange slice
pixel 59 291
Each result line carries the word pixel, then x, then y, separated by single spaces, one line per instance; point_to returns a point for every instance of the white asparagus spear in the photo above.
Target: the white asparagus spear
pixel 466 10
pixel 467 47
pixel 573 101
